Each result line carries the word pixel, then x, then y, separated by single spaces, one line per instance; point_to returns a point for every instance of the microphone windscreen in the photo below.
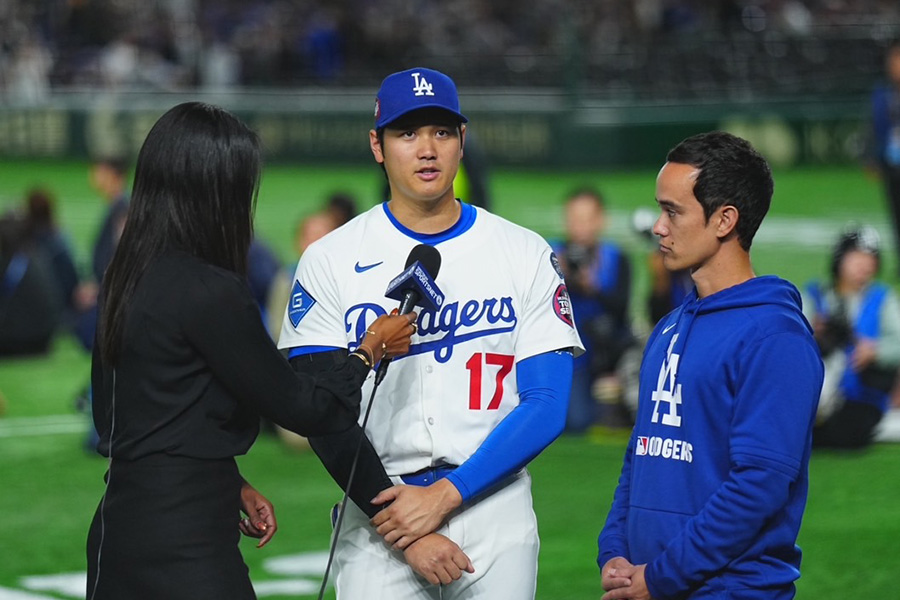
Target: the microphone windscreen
pixel 428 257
pixel 416 283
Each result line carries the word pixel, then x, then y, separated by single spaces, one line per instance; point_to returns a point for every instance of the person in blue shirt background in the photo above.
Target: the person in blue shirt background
pixel 598 275
pixel 715 475
pixel 856 320
pixel 885 150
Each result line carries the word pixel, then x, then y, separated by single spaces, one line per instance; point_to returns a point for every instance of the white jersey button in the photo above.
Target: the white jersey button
pixel 428 369
pixel 431 420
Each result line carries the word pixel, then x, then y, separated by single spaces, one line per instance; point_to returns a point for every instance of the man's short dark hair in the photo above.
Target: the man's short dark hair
pixel 589 191
pixel 117 164
pixel 731 173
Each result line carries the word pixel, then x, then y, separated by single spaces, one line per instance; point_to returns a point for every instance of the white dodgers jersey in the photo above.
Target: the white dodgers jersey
pixel 504 301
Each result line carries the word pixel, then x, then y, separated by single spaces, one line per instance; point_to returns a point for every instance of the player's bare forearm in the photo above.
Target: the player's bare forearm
pixel 414 511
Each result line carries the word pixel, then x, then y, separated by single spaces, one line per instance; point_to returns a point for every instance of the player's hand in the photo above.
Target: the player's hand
pixel 611 575
pixel 864 353
pixel 260 521
pixel 438 559
pixel 390 334
pixel 636 590
pixel 414 512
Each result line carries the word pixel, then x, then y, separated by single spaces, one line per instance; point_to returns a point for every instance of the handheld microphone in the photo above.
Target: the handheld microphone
pixel 415 286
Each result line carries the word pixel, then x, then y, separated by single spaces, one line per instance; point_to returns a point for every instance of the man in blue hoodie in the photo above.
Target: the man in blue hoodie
pixel 714 480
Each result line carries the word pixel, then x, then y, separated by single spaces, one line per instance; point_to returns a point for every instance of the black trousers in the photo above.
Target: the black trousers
pixel 167 529
pixel 851 426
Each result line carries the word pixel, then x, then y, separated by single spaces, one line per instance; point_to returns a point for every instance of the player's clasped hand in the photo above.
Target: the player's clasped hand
pixel 438 559
pixel 622 580
pixel 389 335
pixel 414 511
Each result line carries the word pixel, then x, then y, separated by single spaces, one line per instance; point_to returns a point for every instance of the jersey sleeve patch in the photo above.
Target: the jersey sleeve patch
pixel 301 302
pixel 562 305
pixel 554 260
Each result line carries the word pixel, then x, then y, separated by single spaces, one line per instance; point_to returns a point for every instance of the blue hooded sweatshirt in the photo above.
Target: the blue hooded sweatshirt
pixel 715 476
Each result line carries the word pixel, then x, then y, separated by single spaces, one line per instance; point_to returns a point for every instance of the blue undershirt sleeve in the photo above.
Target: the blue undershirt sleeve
pixel 544 382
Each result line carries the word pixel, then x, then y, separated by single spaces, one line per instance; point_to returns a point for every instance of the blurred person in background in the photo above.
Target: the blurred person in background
pixel 339 208
pixel 44 235
pixel 30 306
pixel 342 207
pixel 181 377
pixel 598 276
pixel 263 268
pixel 309 229
pixel 668 289
pixel 856 322
pixel 108 176
pixel 885 116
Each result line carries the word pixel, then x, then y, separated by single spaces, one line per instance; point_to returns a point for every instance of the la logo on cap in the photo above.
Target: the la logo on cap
pixel 422 87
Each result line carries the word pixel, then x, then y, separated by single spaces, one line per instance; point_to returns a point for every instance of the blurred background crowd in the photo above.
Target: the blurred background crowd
pixel 614 48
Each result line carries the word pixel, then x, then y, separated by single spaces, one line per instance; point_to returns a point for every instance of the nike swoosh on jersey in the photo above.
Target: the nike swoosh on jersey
pixel 362 269
pixel 666 330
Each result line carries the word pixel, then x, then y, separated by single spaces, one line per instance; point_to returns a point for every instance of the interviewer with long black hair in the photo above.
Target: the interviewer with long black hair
pixel 183 367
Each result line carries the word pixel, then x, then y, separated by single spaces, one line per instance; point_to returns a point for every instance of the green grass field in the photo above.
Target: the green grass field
pixel 51 486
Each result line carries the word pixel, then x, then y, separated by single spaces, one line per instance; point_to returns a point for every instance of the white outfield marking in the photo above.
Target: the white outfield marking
pixel 286 587
pixel 307 563
pixel 8 594
pixel 67 584
pixel 53 424
pixel 305 571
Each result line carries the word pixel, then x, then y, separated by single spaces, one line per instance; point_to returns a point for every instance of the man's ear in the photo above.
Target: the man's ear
pixel 375 147
pixel 462 139
pixel 728 216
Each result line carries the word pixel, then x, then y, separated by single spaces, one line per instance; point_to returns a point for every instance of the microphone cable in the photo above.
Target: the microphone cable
pixel 343 504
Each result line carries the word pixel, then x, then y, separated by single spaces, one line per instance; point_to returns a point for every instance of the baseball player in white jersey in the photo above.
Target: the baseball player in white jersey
pixel 483 389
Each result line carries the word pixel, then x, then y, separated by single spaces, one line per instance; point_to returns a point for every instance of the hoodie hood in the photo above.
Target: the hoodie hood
pixel 759 292
pixel 767 289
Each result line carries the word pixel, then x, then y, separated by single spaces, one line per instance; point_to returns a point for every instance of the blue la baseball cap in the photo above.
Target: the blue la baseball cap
pixel 410 90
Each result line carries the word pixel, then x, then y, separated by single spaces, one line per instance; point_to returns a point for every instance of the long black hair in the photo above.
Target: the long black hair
pixel 195 187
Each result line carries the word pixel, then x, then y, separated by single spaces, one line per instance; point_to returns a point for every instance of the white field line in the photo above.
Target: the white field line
pixel 8 594
pixel 300 575
pixel 31 426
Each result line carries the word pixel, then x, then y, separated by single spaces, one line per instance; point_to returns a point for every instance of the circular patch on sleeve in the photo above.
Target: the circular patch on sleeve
pixel 554 260
pixel 562 305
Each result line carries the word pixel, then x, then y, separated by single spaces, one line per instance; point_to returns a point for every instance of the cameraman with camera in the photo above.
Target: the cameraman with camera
pixel 598 276
pixel 856 321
